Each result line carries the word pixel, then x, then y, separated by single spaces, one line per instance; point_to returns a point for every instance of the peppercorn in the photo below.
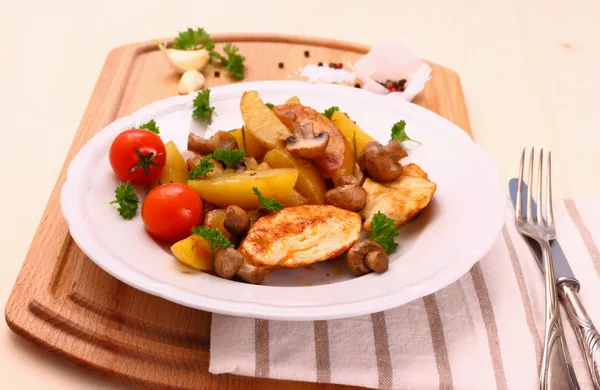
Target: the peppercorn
pixel 332 64
pixel 306 53
pixel 280 65
pixel 217 73
pixel 320 64
pixel 357 85
pixel 339 66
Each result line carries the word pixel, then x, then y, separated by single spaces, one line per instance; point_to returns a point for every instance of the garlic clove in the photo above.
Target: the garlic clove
pixel 184 60
pixel 191 81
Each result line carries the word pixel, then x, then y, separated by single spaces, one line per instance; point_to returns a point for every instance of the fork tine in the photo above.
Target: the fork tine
pixel 549 212
pixel 539 198
pixel 530 187
pixel 519 202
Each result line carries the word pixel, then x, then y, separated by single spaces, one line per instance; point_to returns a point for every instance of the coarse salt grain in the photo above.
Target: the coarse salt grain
pixel 322 74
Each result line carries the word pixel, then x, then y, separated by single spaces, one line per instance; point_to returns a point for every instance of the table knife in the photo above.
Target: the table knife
pixel 568 288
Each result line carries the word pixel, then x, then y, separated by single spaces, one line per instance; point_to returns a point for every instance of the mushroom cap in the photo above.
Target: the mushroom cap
pixel 227 262
pixel 379 164
pixel 395 149
pixel 305 143
pixel 237 220
pixel 367 255
pixel 346 180
pixel 348 197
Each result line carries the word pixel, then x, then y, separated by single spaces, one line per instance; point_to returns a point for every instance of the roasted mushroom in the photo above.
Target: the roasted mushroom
pixel 366 256
pixel 395 149
pixel 227 262
pixel 223 140
pixel 349 197
pixel 199 145
pixel 379 164
pixel 236 220
pixel 251 274
pixel 346 180
pixel 305 143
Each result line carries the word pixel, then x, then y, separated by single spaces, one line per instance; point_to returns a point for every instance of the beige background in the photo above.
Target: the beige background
pixel 530 71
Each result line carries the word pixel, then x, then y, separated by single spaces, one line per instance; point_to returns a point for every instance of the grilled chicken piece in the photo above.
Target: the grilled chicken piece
pixel 401 199
pixel 300 235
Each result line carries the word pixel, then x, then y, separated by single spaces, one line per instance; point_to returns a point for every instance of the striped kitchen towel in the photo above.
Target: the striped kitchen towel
pixel 482 332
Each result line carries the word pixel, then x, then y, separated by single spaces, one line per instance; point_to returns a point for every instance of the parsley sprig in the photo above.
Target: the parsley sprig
pixel 191 39
pixel 384 231
pixel 204 167
pixel 329 112
pixel 267 203
pixel 127 200
pixel 151 125
pixel 229 157
pixel 399 132
pixel 232 61
pixel 270 105
pixel 213 236
pixel 202 108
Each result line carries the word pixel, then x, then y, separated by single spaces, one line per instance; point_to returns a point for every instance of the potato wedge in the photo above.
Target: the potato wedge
pixel 310 183
pixel 261 122
pixel 236 188
pixel 352 132
pixel 301 235
pixel 338 158
pixel 193 251
pixel 247 142
pixel 293 100
pixel 215 219
pixel 239 137
pixel 175 170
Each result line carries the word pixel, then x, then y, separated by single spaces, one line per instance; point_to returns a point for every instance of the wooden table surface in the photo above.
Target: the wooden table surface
pixel 530 73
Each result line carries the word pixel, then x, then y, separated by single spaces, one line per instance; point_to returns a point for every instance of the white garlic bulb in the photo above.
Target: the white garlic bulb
pixel 191 81
pixel 184 60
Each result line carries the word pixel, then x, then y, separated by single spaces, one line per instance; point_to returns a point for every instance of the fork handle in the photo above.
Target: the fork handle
pixel 556 371
pixel 587 335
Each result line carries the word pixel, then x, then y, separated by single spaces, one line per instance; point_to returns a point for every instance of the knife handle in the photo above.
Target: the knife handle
pixel 587 335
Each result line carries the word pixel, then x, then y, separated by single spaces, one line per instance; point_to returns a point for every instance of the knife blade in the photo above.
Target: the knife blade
pixel 562 269
pixel 567 284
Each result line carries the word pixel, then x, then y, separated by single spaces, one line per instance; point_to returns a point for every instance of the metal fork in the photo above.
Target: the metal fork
pixel 541 228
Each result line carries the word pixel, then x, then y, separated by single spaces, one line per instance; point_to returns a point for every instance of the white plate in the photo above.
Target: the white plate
pixel 452 234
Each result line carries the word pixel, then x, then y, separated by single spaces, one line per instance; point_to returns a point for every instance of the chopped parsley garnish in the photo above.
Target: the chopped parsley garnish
pixel 191 39
pixel 214 237
pixel 204 167
pixel 229 157
pixel 151 125
pixel 329 112
pixel 232 61
pixel 270 105
pixel 267 203
pixel 399 132
pixel 202 107
pixel 384 231
pixel 127 200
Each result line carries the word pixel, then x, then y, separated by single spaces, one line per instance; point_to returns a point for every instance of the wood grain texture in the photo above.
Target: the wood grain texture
pixel 67 304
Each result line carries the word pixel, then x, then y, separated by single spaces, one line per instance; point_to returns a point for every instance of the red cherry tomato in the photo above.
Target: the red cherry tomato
pixel 137 155
pixel 170 211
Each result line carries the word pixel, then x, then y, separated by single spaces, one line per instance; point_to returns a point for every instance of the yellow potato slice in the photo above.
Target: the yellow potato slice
pixel 261 122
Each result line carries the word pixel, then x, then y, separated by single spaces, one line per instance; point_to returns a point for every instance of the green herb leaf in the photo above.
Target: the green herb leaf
pixel 270 105
pixel 127 200
pixel 232 61
pixel 214 237
pixel 204 167
pixel 151 125
pixel 399 132
pixel 329 112
pixel 384 231
pixel 267 203
pixel 191 39
pixel 229 157
pixel 202 108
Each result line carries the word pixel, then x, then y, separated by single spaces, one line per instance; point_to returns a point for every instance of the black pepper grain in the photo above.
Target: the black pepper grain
pixel 320 64
pixel 332 65
pixel 357 85
pixel 280 65
pixel 217 73
pixel 306 53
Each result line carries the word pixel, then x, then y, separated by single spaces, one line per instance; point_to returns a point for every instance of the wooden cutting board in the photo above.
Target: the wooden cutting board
pixel 64 302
